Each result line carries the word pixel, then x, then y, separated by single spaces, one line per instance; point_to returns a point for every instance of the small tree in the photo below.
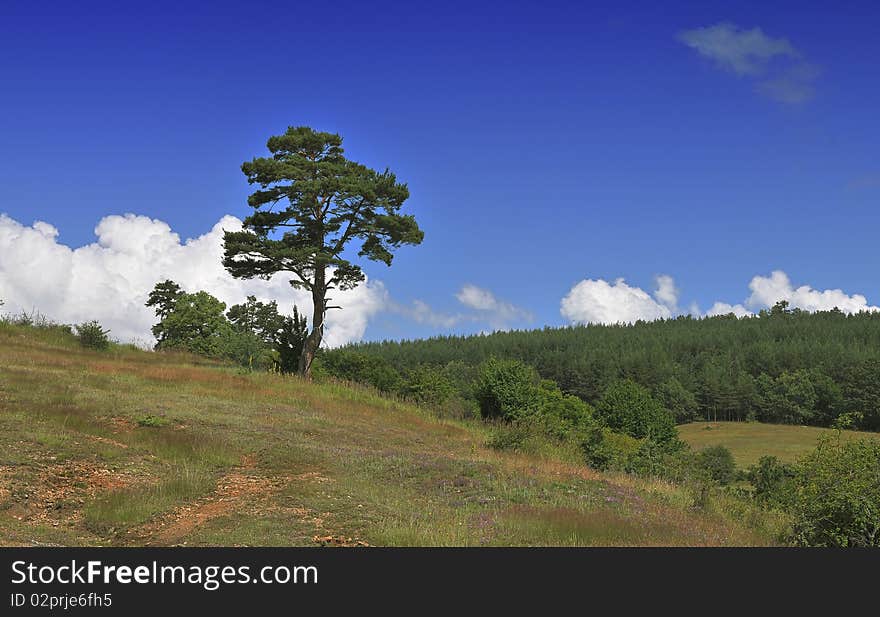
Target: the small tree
pixel 92 336
pixel 507 389
pixel 196 323
pixel 718 463
pixel 312 203
pixel 627 407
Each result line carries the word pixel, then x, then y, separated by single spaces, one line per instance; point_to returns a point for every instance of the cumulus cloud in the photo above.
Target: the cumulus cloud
pixel 784 76
pixel 768 290
pixel 500 314
pixel 597 301
pixel 667 292
pixel 110 279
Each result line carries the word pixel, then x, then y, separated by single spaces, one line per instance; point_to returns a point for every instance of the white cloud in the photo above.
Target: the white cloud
pixel 745 52
pixel 109 280
pixel 752 53
pixel 421 312
pixel 597 301
pixel 499 314
pixel 768 290
pixel 666 292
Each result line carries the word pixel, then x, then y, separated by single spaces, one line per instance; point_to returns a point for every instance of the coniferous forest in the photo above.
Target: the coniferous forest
pixel 779 366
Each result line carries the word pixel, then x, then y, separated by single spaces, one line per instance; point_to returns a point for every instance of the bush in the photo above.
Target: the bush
pixel 427 385
pixel 718 463
pixel 507 389
pixel 606 450
pixel 629 408
pixel 771 482
pixel 837 495
pixel 362 368
pixel 92 336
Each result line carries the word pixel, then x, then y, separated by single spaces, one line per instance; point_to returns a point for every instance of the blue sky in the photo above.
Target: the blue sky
pixel 543 143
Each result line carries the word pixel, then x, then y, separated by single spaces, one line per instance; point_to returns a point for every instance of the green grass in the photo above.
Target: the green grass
pixel 749 441
pixel 126 447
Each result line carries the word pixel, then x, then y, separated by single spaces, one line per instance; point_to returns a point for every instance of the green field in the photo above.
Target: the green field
pixel 749 441
pixel 126 447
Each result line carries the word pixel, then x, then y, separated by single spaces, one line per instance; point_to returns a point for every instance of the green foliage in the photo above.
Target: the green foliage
pixel 427 385
pixel 604 449
pixel 163 298
pixel 629 408
pixel 831 363
pixel 562 415
pixel 771 482
pixel 507 389
pixel 718 463
pixel 837 495
pixel 790 398
pixel 680 401
pixel 152 421
pixel 265 337
pixel 194 323
pixel 246 349
pixel 363 368
pixel 290 340
pixel 92 336
pixel 311 204
pixel 861 385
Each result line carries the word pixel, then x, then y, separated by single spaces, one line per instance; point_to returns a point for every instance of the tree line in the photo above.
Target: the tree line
pixel 780 366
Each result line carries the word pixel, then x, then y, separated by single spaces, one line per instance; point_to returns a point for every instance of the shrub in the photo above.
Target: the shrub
pixel 92 336
pixel 152 421
pixel 771 482
pixel 629 408
pixel 718 463
pixel 427 385
pixel 511 436
pixel 507 389
pixel 362 368
pixel 837 495
pixel 604 449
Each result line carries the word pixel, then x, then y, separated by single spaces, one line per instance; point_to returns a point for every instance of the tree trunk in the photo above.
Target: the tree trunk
pixel 313 340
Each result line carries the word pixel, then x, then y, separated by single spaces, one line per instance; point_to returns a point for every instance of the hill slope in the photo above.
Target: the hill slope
pixel 134 448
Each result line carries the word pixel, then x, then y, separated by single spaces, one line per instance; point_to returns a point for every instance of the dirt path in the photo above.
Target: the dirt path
pixel 241 490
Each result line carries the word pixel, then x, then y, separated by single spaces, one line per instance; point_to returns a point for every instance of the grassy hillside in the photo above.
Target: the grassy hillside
pixel 749 441
pixel 133 448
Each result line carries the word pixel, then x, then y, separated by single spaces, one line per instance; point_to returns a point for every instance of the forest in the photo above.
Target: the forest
pixel 780 366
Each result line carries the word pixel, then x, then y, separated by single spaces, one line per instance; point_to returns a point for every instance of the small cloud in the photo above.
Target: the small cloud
pixel 422 313
pixel 785 77
pixel 744 52
pixel 499 313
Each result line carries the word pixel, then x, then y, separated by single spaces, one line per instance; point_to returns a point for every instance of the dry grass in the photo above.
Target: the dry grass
pixel 184 451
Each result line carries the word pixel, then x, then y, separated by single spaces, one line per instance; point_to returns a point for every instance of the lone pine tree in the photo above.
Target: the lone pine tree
pixel 311 204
